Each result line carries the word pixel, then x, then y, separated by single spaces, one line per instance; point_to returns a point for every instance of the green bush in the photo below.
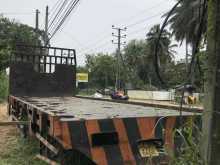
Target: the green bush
pixel 189 151
pixel 3 86
pixel 20 151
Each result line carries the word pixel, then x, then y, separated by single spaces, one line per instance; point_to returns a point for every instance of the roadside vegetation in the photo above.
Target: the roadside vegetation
pixel 137 71
pixel 20 151
pixel 15 150
pixel 3 86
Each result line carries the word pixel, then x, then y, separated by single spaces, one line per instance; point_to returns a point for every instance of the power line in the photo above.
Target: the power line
pixel 58 13
pixel 55 7
pixel 136 31
pixel 146 19
pixel 16 13
pixel 140 30
pixel 98 41
pixel 92 49
pixel 145 10
pixel 140 21
pixel 67 12
pixel 74 39
pixel 130 25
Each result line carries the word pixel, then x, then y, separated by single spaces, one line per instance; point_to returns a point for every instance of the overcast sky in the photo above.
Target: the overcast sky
pixel 89 28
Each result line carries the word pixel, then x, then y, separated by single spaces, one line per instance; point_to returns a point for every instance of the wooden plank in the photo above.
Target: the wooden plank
pixel 7 123
pixel 46 143
pixel 47 160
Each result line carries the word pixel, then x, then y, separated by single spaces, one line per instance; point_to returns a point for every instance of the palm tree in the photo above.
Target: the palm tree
pixel 165 49
pixel 185 22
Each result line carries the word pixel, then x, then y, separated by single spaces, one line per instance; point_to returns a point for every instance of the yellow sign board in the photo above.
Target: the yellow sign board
pixel 82 77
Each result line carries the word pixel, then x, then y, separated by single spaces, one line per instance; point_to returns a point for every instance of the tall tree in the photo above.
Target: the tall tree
pixel 137 62
pixel 164 49
pixel 185 21
pixel 102 69
pixel 12 33
pixel 211 122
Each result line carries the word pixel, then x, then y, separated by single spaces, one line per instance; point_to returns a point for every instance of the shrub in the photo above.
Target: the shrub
pixel 3 86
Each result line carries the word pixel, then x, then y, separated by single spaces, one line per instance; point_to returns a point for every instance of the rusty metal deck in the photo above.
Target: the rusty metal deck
pixel 85 109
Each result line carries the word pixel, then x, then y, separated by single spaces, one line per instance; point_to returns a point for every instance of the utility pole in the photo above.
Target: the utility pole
pixel 119 37
pixel 211 115
pixel 37 20
pixel 46 26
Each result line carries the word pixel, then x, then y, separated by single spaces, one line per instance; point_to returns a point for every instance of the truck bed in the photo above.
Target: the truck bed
pixel 87 109
pixel 87 127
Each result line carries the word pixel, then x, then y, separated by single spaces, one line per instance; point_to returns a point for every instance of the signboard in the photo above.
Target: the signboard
pixel 82 77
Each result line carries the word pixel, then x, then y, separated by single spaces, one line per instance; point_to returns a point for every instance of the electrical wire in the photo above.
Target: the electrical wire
pixel 140 21
pixel 55 8
pixel 58 14
pixel 67 12
pixel 136 31
pixel 94 49
pixel 143 11
pixel 146 19
pixel 96 43
pixel 74 39
pixel 16 13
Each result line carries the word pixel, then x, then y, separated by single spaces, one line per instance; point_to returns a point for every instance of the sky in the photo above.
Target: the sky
pixel 89 28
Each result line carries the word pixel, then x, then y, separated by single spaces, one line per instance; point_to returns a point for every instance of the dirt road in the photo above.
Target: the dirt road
pixel 7 133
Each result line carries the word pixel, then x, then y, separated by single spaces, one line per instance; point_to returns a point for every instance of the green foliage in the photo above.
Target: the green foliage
pixel 185 20
pixel 139 58
pixel 189 152
pixel 20 151
pixel 81 69
pixel 13 33
pixel 175 74
pixel 101 69
pixel 185 23
pixel 137 64
pixel 3 86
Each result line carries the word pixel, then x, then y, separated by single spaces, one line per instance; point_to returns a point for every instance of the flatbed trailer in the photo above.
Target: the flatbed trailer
pixel 73 122
pixel 81 131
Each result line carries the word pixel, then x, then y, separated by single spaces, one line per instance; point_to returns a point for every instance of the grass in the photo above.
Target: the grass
pixel 86 92
pixel 20 151
pixel 3 86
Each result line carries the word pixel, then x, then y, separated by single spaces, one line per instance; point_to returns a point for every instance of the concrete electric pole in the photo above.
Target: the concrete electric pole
pixel 37 20
pixel 46 27
pixel 119 37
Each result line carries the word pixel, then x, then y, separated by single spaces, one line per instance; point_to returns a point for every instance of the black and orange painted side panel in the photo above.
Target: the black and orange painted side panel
pixel 78 135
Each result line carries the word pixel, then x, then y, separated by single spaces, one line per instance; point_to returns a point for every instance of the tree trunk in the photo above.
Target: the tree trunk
pixel 211 116
pixel 187 54
pixel 193 68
